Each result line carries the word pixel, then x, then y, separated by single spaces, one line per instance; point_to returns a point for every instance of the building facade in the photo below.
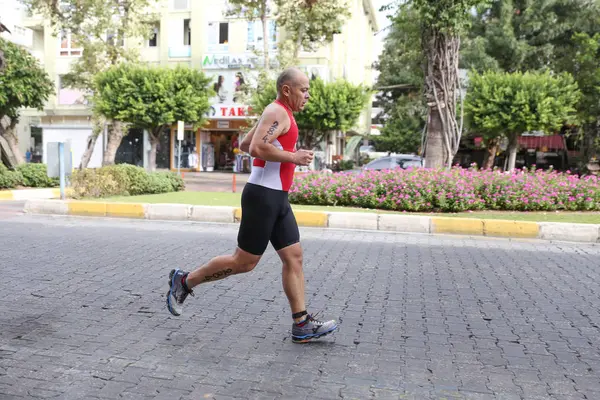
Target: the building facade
pixel 197 34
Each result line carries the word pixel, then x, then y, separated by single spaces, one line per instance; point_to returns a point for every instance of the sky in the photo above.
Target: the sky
pixel 383 23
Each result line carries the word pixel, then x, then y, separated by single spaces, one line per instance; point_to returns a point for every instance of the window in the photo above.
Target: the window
pixel 218 36
pixel 180 4
pixel 223 33
pixel 187 33
pixel 255 35
pixel 153 41
pixel 68 46
pixel 405 164
pixel 110 39
pixel 68 96
pixel 382 163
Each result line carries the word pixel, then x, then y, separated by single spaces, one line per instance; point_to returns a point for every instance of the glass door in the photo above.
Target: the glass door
pixel 189 151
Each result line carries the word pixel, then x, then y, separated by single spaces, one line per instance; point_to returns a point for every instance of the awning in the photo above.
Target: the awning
pixel 553 142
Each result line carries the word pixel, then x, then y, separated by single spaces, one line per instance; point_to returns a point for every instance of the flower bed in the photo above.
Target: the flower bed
pixel 449 190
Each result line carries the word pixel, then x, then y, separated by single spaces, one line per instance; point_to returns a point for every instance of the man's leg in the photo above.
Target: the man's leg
pixel 286 241
pixel 293 278
pixel 258 217
pixel 222 266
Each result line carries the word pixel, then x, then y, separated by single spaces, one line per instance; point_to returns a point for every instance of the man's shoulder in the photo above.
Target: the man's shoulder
pixel 274 110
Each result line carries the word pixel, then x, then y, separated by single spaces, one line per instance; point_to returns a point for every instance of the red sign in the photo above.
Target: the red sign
pixel 222 111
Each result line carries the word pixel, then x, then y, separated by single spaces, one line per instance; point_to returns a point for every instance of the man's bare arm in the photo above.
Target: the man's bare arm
pixel 271 125
pixel 245 145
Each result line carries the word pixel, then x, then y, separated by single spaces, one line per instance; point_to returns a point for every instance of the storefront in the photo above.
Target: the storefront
pixel 214 146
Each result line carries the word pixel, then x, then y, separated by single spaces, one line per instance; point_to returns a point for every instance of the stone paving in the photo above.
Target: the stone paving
pixel 83 316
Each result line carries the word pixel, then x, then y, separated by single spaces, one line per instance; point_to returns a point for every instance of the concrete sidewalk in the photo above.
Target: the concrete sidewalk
pixel 586 233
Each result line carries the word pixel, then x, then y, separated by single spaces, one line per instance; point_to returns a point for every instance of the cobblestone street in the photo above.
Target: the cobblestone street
pixel 83 316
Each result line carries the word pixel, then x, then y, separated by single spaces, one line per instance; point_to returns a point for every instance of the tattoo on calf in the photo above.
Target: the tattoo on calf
pixel 217 275
pixel 270 132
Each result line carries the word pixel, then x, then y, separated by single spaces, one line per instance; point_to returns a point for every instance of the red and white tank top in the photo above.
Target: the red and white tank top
pixel 277 175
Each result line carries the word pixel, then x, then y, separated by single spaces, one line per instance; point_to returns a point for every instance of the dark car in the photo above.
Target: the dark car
pixel 395 161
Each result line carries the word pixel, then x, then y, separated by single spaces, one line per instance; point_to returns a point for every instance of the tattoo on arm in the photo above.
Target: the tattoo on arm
pixel 218 275
pixel 270 132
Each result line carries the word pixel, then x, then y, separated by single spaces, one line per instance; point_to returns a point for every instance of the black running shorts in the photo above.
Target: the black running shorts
pixel 266 216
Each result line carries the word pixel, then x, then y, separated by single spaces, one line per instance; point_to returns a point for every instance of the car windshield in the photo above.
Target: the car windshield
pixel 409 164
pixel 379 163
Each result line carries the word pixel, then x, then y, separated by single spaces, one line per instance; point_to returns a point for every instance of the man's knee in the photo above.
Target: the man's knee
pixel 292 256
pixel 244 261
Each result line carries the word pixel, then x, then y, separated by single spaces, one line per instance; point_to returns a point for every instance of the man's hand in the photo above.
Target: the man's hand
pixel 303 157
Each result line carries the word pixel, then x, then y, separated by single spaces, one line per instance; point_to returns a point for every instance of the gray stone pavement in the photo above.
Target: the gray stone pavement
pixel 83 316
pixel 11 208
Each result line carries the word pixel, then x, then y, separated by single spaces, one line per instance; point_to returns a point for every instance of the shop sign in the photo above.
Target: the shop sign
pixel 229 111
pixel 229 61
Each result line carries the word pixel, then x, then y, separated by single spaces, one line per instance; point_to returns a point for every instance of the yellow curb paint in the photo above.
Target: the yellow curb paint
pixel 56 193
pixel 462 226
pixel 503 228
pixel 6 195
pixel 127 210
pixel 87 208
pixel 311 218
pixel 237 214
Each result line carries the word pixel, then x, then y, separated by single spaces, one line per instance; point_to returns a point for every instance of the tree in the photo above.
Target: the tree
pixel 311 23
pixel 252 10
pixel 510 104
pixel 100 28
pixel 400 85
pixel 520 35
pixel 402 131
pixel 583 58
pixel 152 98
pixel 24 84
pixel 442 23
pixel 334 106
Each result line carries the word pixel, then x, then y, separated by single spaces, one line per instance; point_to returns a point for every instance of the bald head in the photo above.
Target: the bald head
pixel 289 76
pixel 292 88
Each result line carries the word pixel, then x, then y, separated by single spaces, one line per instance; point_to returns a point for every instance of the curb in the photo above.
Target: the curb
pixel 29 194
pixel 584 233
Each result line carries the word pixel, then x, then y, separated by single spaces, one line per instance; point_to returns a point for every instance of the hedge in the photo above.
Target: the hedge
pixel 123 180
pixel 450 190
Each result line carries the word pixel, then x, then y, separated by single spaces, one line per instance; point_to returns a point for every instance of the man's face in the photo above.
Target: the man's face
pixel 298 92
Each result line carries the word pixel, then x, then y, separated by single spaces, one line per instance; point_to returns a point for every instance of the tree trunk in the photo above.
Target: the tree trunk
pixel 265 29
pixel 513 144
pixel 154 141
pixel 591 133
pixel 298 43
pixel 490 156
pixel 441 93
pixel 434 149
pixel 7 131
pixel 115 136
pixel 97 128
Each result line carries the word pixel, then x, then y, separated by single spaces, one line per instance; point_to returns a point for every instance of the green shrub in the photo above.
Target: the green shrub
pixel 9 179
pixel 159 184
pixel 123 180
pixel 177 182
pixel 91 183
pixel 36 175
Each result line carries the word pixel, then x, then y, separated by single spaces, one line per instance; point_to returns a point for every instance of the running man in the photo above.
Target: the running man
pixel 266 212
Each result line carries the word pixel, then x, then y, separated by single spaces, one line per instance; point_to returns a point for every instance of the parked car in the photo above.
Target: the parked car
pixel 403 161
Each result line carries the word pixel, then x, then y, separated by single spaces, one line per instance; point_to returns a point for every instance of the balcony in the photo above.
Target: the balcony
pixel 180 51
